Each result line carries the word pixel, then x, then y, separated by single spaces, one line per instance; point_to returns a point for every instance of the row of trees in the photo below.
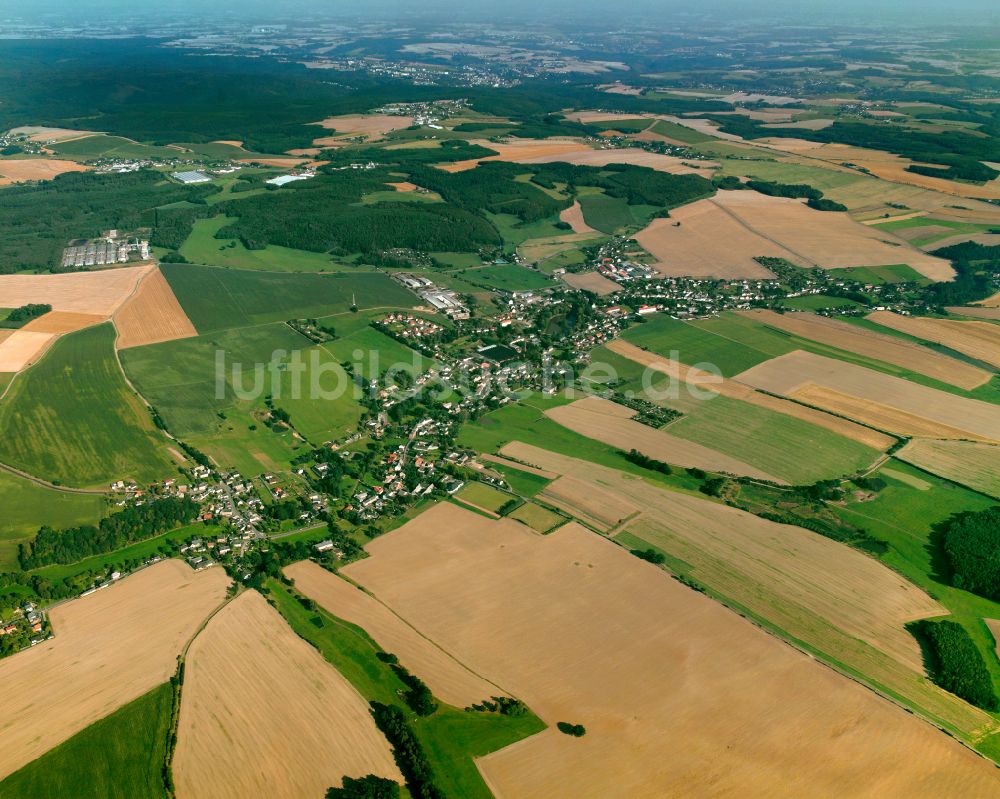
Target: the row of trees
pixel 131 524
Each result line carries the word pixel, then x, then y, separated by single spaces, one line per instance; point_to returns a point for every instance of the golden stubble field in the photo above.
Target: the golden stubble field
pixel 448 679
pixel 591 281
pixel 979 340
pixel 679 696
pixel 574 216
pixel 836 600
pixel 885 402
pixel 969 463
pixel 152 314
pixel 889 349
pixel 612 424
pixel 17 170
pixel 263 714
pixel 109 648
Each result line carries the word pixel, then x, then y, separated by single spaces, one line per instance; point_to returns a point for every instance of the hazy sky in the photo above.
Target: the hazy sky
pixel 909 11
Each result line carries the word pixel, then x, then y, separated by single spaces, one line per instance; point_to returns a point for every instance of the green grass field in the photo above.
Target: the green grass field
pixel 28 506
pixel 119 757
pixel 606 214
pixel 540 519
pixel 201 247
pixel 513 231
pixel 813 302
pixel 483 496
pixel 953 228
pixel 373 352
pixel 102 146
pixel 450 736
pixel 521 482
pixel 771 441
pixel 680 133
pixel 880 275
pixel 72 418
pixel 508 277
pixel 216 299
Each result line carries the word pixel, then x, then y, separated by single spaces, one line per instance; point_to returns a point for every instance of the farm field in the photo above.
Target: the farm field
pixel 372 352
pixel 27 506
pixel 679 373
pixel 483 496
pixel 309 720
pixel 874 345
pixel 574 216
pixel 828 598
pixel 99 292
pixel 510 277
pixel 607 214
pixel 740 689
pixel 814 302
pixel 216 299
pixel 967 463
pixel 151 315
pixel 980 340
pixel 538 518
pixel 993 314
pixel 100 145
pixel 201 247
pixel 451 737
pixel 18 170
pixel 109 649
pixel 447 678
pixel 523 480
pixel 119 757
pixel 613 425
pixel 374 126
pixel 772 441
pixel 885 402
pixel 73 418
pixel 592 282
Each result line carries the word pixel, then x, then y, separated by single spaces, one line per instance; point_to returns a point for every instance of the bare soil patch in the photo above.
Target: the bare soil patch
pixel 881 400
pixel 152 315
pixel 109 648
pixel 874 345
pixel 979 340
pixel 260 700
pixel 448 679
pixel 404 186
pixel 664 679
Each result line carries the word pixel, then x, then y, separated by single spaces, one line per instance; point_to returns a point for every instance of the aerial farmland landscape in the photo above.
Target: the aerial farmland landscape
pixel 500 401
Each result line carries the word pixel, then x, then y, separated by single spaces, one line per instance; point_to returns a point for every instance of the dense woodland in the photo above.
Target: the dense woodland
pixel 954 662
pixel 972 543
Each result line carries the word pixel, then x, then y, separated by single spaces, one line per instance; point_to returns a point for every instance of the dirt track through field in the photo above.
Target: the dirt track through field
pixel 875 398
pixel 263 714
pixel 612 424
pixel 109 648
pixel 152 314
pixel 679 696
pixel 979 340
pixel 889 349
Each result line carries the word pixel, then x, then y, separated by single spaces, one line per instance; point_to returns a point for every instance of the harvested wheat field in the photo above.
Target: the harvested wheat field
pixel 979 340
pixel 889 349
pixel 680 697
pixel 152 314
pixel 40 133
pixel 979 312
pixel 99 292
pixel 263 714
pixel 886 402
pixel 988 239
pixel 740 391
pixel 968 463
pixel 574 216
pixel 522 151
pixel 591 281
pixel 403 186
pixel 990 302
pixel 700 240
pixel 374 126
pixel 22 348
pixel 17 170
pixel 601 509
pixel 612 424
pixel 844 604
pixel 824 238
pixel 59 322
pixel 109 648
pixel 448 679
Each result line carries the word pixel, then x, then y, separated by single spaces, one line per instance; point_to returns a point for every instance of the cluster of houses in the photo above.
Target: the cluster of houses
pixel 409 326
pixel 28 620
